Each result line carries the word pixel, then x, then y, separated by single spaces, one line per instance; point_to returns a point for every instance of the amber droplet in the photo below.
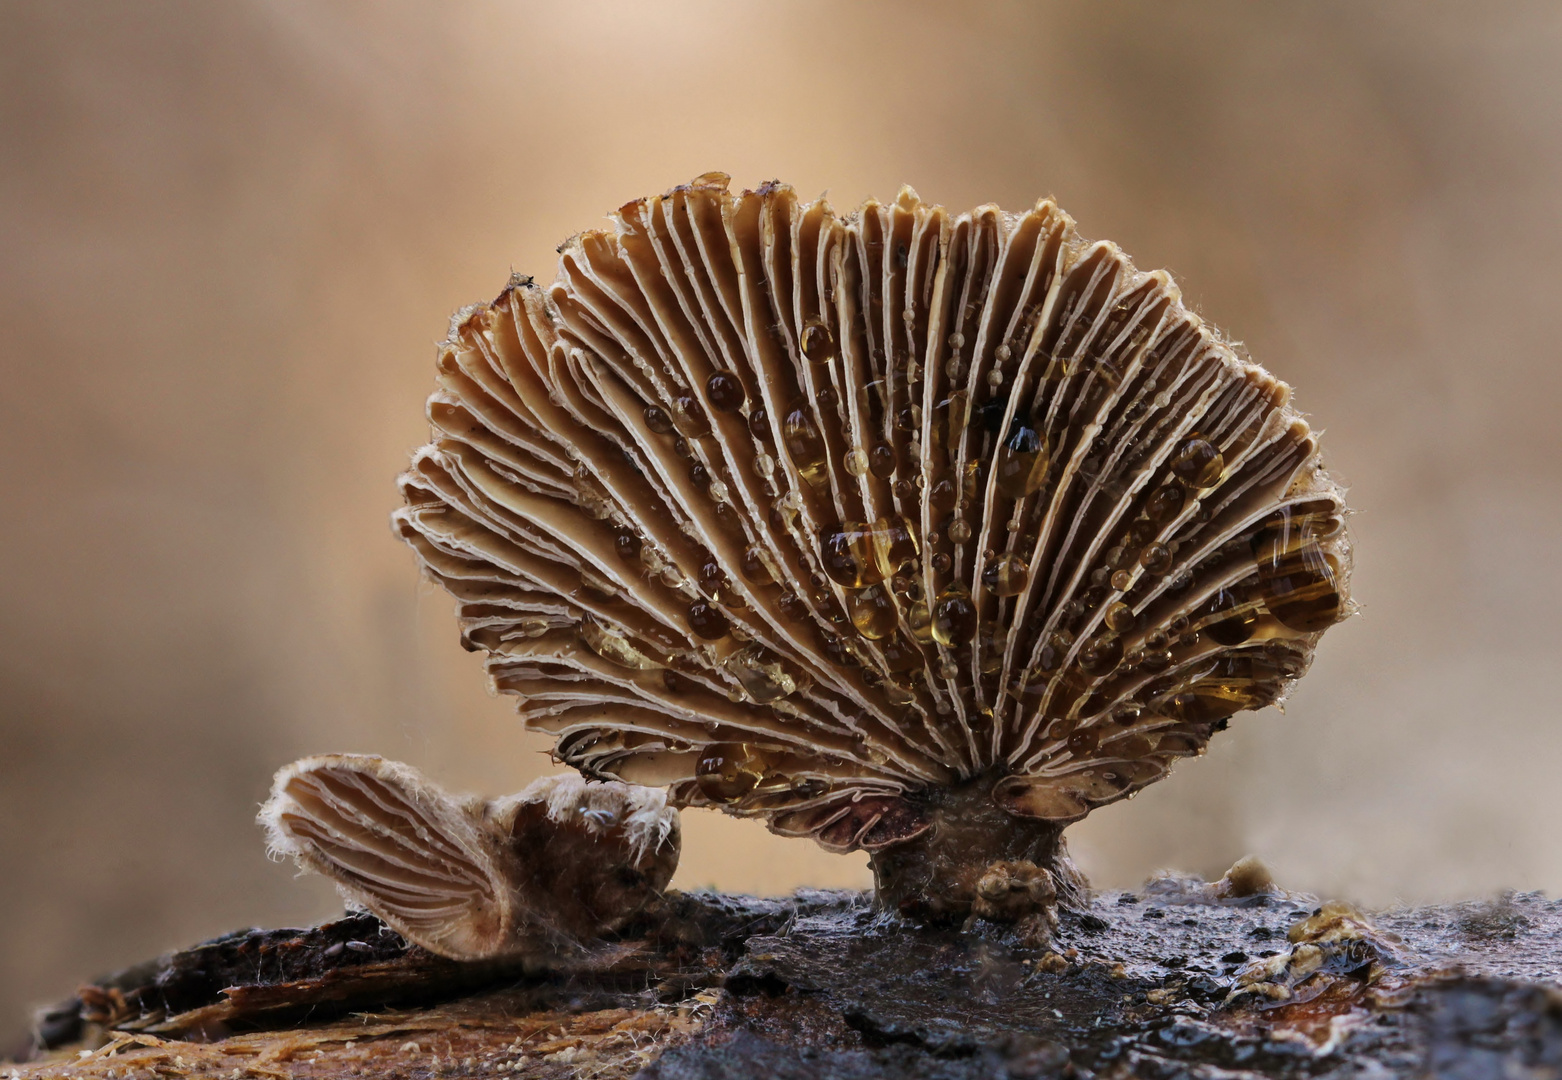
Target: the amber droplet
pixel 657 420
pixel 881 461
pixel 690 417
pixel 1120 618
pixel 845 553
pixel 725 392
pixel 1236 626
pixel 944 493
pixel 959 530
pixel 754 567
pixel 763 676
pixel 805 445
pixel 1294 575
pixel 954 617
pixel 941 562
pixel 951 417
pixel 872 612
pixel 1126 715
pixel 856 462
pixel 1023 463
pixel 1156 559
pixel 1198 464
pixel 1156 661
pixel 1165 503
pixel 728 771
pixel 920 619
pixel 1006 575
pixel 1101 656
pixel 892 544
pixel 792 607
pixel 900 655
pixel 707 620
pixel 909 418
pixel 627 545
pixel 1121 580
pixel 713 579
pixel 1084 741
pixel 759 424
pixel 818 342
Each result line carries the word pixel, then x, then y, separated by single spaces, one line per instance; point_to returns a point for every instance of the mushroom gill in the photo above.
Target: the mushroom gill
pixel 906 531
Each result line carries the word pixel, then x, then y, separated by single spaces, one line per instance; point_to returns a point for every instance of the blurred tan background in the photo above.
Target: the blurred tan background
pixel 230 235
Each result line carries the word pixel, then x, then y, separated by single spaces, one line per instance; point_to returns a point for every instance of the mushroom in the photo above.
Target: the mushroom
pixel 914 533
pixel 548 870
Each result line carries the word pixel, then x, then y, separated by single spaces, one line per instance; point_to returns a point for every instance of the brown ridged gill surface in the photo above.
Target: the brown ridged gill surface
pixel 806 515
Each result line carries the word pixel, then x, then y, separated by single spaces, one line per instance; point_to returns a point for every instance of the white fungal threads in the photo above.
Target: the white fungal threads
pixel 1007 517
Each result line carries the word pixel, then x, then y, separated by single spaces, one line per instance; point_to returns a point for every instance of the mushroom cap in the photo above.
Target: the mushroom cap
pixel 806 515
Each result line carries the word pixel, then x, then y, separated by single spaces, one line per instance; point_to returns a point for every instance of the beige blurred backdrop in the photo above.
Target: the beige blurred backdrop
pixel 231 233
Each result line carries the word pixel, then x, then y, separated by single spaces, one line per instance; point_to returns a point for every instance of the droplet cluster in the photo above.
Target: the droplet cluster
pixel 803 514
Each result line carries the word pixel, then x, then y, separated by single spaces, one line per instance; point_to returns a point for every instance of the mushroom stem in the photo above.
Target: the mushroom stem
pixel 977 861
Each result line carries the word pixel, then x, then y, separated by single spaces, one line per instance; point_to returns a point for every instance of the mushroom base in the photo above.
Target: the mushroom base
pixel 977 862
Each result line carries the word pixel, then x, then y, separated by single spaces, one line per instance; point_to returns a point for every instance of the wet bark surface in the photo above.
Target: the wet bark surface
pixel 1171 981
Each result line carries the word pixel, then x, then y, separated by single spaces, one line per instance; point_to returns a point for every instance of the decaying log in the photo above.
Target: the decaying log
pixel 1179 979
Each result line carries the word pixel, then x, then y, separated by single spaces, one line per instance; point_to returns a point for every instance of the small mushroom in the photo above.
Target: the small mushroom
pixel 563 862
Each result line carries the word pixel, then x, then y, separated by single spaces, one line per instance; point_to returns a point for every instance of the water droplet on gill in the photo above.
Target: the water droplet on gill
pixel 707 620
pixel 1084 741
pixel 881 461
pixel 805 445
pixel 674 682
pixel 1156 559
pixel 809 787
pixel 724 390
pixel 1121 580
pixel 759 424
pixel 959 530
pixel 713 579
pixel 534 627
pixel 1023 462
pixel 1198 463
pixel 657 420
pixel 1120 618
pixel 755 566
pixel 1295 576
pixel 1006 575
pixel 728 771
pixel 950 418
pixel 627 545
pixel 856 462
pixel 818 342
pixel 872 612
pixel 954 617
pixel 1101 656
pixel 1235 619
pixel 900 656
pixel 689 417
pixel 762 674
pixel 613 646
pixel 920 620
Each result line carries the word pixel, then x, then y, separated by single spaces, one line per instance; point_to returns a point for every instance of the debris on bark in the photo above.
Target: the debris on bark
pixel 1181 979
